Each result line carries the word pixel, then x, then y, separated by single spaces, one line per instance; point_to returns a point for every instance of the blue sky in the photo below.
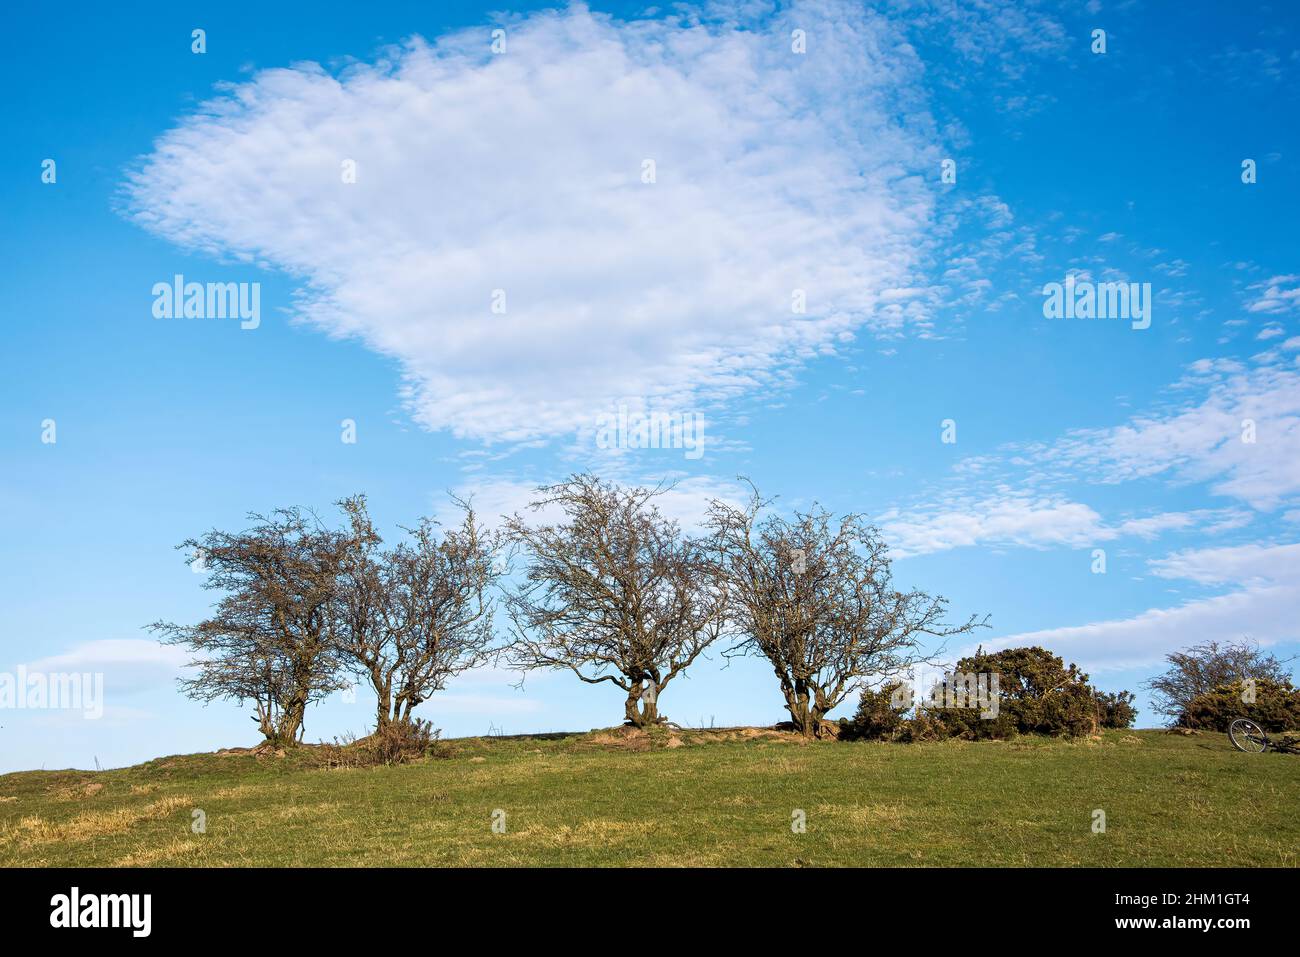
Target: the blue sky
pixel 523 171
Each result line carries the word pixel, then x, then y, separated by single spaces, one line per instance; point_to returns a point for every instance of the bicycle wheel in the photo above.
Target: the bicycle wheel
pixel 1247 736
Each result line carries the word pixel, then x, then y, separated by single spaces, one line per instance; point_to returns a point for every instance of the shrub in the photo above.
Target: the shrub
pixel 1116 710
pixel 922 726
pixel 1038 694
pixel 1202 668
pixel 1276 707
pixel 876 718
pixel 397 742
pixel 401 741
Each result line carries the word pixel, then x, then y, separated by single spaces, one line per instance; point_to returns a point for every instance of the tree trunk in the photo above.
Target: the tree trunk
pixel 291 722
pixel 805 714
pixel 264 721
pixel 641 710
pixel 796 702
pixel 384 711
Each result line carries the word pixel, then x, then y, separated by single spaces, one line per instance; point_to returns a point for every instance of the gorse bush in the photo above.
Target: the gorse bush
pixel 877 718
pixel 1116 710
pixel 1037 693
pixel 1275 708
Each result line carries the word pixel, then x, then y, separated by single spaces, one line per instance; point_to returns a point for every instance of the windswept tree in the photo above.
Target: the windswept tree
pixel 816 599
pixel 1200 669
pixel 270 639
pixel 413 616
pixel 613 592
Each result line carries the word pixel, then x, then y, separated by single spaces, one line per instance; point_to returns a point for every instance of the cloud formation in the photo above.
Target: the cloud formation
pixel 1264 605
pixel 1235 427
pixel 127 664
pixel 518 178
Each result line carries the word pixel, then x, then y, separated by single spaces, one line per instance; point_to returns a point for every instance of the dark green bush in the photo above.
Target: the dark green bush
pixel 922 726
pixel 1276 707
pixel 876 718
pixel 1116 710
pixel 1037 694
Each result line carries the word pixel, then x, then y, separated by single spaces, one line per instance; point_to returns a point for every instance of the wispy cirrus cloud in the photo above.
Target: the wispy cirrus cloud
pixel 1017 518
pixel 1264 605
pixel 1233 426
pixel 128 664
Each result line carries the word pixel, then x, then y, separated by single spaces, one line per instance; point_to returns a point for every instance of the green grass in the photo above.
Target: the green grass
pixel 719 799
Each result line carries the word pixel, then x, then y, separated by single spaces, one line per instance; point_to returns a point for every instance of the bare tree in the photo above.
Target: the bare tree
pixel 413 616
pixel 270 639
pixel 1202 668
pixel 816 599
pixel 613 593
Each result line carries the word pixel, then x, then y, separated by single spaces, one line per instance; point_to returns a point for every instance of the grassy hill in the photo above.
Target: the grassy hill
pixel 694 798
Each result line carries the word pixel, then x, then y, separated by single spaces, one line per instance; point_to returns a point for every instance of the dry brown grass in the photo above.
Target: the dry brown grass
pixel 34 831
pixel 590 832
pixel 75 791
pixel 178 851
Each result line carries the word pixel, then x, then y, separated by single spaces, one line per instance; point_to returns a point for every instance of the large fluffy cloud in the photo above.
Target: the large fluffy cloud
pixel 523 171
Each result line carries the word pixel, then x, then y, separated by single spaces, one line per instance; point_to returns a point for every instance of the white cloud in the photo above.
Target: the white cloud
pixel 1202 439
pixel 1266 608
pixel 1279 294
pixel 128 664
pixel 1008 35
pixel 522 172
pixel 1016 518
pixel 1243 563
pixel 1232 426
pixel 1264 614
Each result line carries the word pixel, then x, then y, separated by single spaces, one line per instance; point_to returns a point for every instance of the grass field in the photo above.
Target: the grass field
pixel 711 798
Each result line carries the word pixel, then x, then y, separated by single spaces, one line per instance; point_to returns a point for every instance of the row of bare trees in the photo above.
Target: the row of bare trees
pixel 596 581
